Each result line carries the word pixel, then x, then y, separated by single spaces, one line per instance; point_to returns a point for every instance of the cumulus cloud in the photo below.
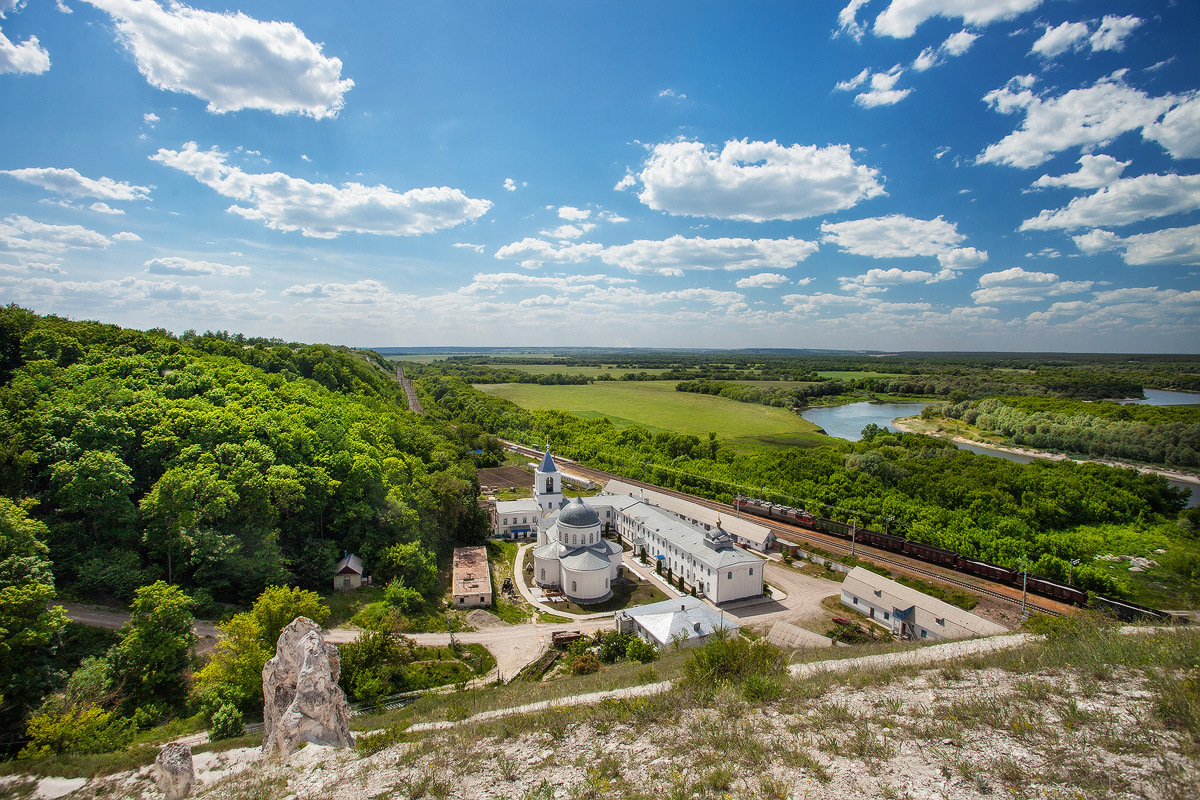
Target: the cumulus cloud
pixel 511 185
pixel 1016 285
pixel 150 119
pixel 678 253
pixel 668 256
pixel 24 235
pixel 955 45
pixel 754 181
pixel 672 94
pixel 69 183
pixel 902 17
pixel 1093 173
pixel 478 248
pixel 1092 116
pixel 363 292
pixel 1109 34
pixel 1170 246
pixel 1179 130
pixel 899 236
pixel 573 214
pixel 569 231
pixel 882 91
pixel 27 57
pixel 1123 202
pixel 230 60
pixel 877 280
pixel 174 265
pixel 321 210
pixel 763 280
pixel 105 208
pixel 1113 31
pixel 853 83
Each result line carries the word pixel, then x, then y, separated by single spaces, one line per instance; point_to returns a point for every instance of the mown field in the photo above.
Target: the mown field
pixel 590 371
pixel 657 406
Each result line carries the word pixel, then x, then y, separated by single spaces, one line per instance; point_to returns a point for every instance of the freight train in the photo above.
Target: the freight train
pixel 918 550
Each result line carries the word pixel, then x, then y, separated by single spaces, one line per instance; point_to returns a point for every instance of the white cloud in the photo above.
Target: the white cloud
pixel 1092 116
pixel 510 185
pixel 855 82
pixel 478 248
pixel 27 57
pixel 24 235
pixel 573 214
pixel 1123 202
pixel 678 253
pixel 883 91
pixel 672 94
pixel 1113 31
pixel 899 236
pixel 1016 285
pixel 628 181
pixel 669 256
pixel 173 265
pixel 230 60
pixel 126 236
pixel 878 279
pixel 1110 34
pixel 1057 40
pixel 321 210
pixel 150 119
pixel 848 20
pixel 1179 130
pixel 363 292
pixel 955 45
pixel 1171 246
pixel 901 18
pixel 569 231
pixel 69 183
pixel 1093 173
pixel 105 208
pixel 763 280
pixel 754 181
pixel 611 217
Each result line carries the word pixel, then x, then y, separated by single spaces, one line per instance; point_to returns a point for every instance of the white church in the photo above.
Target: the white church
pixel 572 555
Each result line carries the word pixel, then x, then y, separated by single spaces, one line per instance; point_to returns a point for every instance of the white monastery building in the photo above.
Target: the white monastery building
pixel 686 622
pixel 714 556
pixel 908 613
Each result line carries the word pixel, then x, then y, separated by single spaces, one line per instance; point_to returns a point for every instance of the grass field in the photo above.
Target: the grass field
pixel 657 406
pixel 850 376
pixel 563 369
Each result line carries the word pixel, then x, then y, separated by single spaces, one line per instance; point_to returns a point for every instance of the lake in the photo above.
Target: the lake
pixel 1162 397
pixel 847 422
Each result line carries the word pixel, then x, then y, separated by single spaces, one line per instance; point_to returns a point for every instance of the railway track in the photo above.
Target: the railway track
pixel 801 536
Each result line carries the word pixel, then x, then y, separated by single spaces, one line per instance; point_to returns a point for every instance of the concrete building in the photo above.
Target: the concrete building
pixel 745 532
pixel 471 583
pixel 908 613
pixel 518 519
pixel 348 574
pixel 572 554
pixel 686 622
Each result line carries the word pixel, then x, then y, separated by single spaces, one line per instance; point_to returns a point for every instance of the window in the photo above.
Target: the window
pixel 460 600
pixel 852 599
pixel 549 485
pixel 543 573
pixel 752 570
pixel 940 621
pixel 886 615
pixel 924 633
pixel 731 575
pixel 573 589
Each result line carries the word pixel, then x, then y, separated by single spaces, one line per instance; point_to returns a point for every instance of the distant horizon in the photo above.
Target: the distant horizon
pixel 933 175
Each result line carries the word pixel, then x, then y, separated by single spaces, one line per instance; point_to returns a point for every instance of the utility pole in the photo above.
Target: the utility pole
pixel 1071 573
pixel 853 535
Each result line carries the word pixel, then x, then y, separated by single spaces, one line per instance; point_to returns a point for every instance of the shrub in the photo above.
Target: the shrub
pixel 728 658
pixel 613 646
pixel 226 723
pixel 585 664
pixel 59 728
pixel 639 649
pixel 403 597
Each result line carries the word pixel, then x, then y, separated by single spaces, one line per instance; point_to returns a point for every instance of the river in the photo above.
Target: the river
pixel 847 422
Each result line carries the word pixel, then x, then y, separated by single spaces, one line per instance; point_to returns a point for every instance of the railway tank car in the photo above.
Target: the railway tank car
pixel 918 550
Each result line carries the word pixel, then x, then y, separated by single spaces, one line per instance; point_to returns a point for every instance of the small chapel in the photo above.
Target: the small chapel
pixel 571 554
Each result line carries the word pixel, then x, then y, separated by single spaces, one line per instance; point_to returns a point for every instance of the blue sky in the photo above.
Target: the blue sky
pixel 882 174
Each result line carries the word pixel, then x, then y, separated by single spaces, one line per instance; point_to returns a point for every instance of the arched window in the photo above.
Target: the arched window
pixel 572 586
pixel 550 485
pixel 543 573
pixel 752 570
pixel 730 576
pixel 573 539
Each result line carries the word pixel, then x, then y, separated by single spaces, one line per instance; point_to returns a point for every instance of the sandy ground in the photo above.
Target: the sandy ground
pixel 1174 475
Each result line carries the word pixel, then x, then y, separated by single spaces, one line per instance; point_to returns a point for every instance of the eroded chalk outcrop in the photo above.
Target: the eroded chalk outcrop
pixel 301 699
pixel 174 772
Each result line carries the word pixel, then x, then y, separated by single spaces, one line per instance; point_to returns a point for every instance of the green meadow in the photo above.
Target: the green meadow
pixel 656 405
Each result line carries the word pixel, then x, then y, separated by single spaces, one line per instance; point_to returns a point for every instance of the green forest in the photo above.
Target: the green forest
pixel 210 466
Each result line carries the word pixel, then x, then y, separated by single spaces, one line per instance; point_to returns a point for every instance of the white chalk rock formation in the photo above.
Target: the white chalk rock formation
pixel 301 699
pixel 174 772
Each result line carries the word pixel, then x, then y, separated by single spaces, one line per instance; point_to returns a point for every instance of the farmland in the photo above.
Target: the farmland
pixel 656 405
